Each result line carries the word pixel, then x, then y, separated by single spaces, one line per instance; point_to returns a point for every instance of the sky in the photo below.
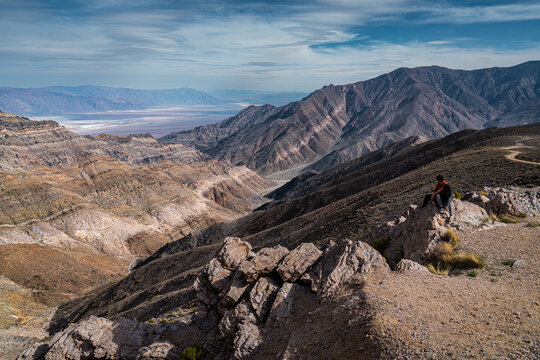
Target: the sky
pixel 265 45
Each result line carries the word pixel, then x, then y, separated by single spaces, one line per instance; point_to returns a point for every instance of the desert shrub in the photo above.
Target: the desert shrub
pixel 451 237
pixel 483 192
pixel 380 244
pixel 442 249
pixel 463 261
pixel 494 217
pixel 508 219
pixel 533 225
pixel 192 353
pixel 457 195
pixel 439 269
pixel 472 274
pixel 521 215
pixel 508 262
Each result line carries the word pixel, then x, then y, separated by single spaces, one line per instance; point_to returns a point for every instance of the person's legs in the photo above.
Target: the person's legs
pixel 448 205
pixel 427 198
pixel 438 199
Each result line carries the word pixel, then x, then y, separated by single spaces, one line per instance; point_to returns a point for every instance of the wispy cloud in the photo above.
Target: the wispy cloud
pixel 225 44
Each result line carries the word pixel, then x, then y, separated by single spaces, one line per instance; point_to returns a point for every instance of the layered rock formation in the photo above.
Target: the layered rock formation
pixel 341 123
pixel 103 200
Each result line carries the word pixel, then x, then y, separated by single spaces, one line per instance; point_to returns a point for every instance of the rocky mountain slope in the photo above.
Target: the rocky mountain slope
pixel 347 121
pixel 56 100
pixel 342 301
pixel 346 204
pixel 76 210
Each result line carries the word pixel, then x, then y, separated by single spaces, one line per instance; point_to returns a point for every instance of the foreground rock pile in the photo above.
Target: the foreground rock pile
pixel 245 297
pixel 248 291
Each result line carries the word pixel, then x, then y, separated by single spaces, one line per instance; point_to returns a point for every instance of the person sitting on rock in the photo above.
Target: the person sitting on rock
pixel 442 195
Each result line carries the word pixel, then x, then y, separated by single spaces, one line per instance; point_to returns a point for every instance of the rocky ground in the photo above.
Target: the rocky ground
pixel 342 301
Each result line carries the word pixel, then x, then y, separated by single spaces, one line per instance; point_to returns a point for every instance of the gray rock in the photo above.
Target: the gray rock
pixel 343 261
pixel 233 252
pixel 410 266
pixel 262 296
pixel 518 264
pixel 234 291
pixel 263 263
pixel 247 339
pixel 99 338
pixel 295 264
pixel 218 277
pixel 283 303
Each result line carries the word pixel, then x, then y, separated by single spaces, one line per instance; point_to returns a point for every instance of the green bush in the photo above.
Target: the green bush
pixel 508 262
pixel 508 219
pixel 472 274
pixel 192 353
pixel 380 244
pixel 457 195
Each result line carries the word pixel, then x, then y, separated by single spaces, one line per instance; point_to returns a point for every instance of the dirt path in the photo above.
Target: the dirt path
pixel 513 153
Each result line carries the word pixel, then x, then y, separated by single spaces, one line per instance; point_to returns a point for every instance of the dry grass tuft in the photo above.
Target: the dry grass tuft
pixel 464 261
pixel 439 269
pixel 442 249
pixel 451 237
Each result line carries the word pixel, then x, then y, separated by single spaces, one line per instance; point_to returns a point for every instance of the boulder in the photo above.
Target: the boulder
pixel 234 290
pixel 99 338
pixel 514 202
pixel 233 252
pixel 161 350
pixel 247 339
pixel 283 303
pixel 295 264
pixel 406 265
pixel 218 277
pixel 262 263
pixel 262 296
pixel 205 292
pixel 341 262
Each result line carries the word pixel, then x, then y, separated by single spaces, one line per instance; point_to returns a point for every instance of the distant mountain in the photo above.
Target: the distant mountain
pixel 347 121
pixel 56 100
pixel 257 97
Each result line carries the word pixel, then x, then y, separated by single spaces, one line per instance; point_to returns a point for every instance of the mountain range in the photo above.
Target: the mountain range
pixel 58 100
pixel 340 123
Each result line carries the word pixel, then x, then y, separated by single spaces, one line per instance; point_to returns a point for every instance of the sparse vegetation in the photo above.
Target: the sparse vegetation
pixel 192 353
pixel 508 219
pixel 483 192
pixel 508 262
pixel 533 225
pixel 472 274
pixel 457 195
pixel 451 237
pixel 441 250
pixel 464 261
pixel 380 244
pixel 494 218
pixel 439 269
pixel 521 215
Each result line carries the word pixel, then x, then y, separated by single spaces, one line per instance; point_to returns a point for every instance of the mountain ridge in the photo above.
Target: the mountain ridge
pixel 356 118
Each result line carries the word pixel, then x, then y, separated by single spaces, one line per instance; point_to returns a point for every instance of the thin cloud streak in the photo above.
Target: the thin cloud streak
pixel 284 46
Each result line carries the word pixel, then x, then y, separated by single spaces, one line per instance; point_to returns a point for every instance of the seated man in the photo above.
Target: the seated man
pixel 442 195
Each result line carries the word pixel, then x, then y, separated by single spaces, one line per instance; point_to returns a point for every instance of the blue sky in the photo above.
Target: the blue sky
pixel 266 45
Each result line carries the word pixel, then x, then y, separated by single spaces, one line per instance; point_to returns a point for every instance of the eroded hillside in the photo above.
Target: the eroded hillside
pixel 75 210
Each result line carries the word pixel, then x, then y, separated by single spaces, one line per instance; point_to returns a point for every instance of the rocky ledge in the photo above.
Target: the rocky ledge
pixel 244 297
